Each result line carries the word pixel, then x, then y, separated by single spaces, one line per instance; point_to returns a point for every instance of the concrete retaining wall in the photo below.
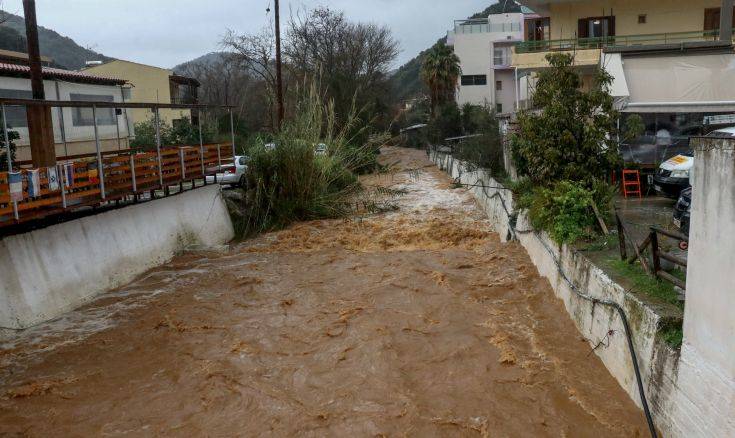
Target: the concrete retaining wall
pixel 657 361
pixel 47 272
pixel 705 400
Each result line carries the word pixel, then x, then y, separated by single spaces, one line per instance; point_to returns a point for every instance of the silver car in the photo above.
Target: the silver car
pixel 232 177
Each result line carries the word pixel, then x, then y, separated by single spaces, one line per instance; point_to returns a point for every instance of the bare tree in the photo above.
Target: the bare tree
pixel 351 60
pixel 224 81
pixel 254 53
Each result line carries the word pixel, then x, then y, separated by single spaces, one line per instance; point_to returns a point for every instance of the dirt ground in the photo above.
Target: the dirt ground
pixel 412 322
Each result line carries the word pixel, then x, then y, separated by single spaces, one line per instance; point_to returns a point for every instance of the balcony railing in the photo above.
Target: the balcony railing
pixel 29 193
pixel 617 41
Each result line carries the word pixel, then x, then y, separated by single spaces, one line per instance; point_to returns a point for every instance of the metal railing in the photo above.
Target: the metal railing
pixel 29 193
pixel 616 41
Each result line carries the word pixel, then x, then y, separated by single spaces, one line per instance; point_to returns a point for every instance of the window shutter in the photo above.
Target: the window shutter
pixel 582 31
pixel 611 31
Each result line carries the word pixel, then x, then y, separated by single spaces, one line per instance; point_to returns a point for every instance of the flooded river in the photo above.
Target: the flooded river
pixel 412 322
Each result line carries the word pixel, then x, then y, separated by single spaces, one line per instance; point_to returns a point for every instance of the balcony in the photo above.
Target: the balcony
pixel 617 42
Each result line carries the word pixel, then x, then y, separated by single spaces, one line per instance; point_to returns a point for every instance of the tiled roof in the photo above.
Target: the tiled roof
pixel 57 73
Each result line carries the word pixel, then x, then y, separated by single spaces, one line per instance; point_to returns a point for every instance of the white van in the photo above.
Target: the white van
pixel 674 174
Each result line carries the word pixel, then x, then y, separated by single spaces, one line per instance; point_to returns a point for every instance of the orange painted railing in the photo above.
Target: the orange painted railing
pixel 125 174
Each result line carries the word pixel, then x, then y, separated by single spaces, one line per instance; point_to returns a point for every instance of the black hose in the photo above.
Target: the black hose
pixel 579 293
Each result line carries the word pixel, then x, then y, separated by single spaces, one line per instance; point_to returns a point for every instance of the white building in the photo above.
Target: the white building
pixel 484 49
pixel 73 127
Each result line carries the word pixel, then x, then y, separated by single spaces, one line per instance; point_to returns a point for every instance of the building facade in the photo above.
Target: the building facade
pixel 484 48
pixel 671 64
pixel 151 84
pixel 73 127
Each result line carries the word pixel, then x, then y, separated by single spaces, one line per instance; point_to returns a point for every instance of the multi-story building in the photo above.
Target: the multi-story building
pixel 484 50
pixel 152 85
pixel 73 127
pixel 671 62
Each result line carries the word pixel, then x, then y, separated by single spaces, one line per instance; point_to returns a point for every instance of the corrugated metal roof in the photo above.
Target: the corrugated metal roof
pixel 57 73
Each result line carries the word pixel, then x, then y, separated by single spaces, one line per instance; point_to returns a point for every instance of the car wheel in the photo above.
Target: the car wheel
pixel 243 182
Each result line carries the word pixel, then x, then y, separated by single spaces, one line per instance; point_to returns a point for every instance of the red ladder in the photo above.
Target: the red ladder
pixel 632 183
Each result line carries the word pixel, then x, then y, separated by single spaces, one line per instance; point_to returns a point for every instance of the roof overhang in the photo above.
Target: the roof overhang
pixel 24 71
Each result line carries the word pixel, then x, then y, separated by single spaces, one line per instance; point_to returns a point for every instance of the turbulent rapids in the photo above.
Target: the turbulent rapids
pixel 413 322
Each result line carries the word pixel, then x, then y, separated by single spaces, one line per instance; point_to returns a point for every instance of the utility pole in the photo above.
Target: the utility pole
pixel 279 77
pixel 726 19
pixel 40 127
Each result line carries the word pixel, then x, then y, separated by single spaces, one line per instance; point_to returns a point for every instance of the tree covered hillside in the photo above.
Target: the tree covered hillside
pixel 63 50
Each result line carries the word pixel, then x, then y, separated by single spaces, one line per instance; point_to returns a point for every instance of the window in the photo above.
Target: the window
pixel 83 116
pixel 712 19
pixel 469 80
pixel 538 29
pixel 505 27
pixel 178 123
pixel 596 27
pixel 642 19
pixel 16 115
pixel 499 108
pixel 498 85
pixel 127 94
pixel 500 56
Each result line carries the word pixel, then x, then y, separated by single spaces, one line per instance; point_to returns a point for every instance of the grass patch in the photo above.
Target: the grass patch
pixel 646 284
pixel 673 335
pixel 601 243
pixel 672 332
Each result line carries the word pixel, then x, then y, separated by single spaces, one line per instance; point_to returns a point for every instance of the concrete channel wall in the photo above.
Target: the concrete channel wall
pixel 658 362
pixel 46 272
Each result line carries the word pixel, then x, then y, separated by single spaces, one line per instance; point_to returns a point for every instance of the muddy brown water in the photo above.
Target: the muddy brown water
pixel 413 322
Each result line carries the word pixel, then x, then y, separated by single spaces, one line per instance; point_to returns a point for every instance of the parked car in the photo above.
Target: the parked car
pixel 233 177
pixel 682 211
pixel 673 175
pixel 320 149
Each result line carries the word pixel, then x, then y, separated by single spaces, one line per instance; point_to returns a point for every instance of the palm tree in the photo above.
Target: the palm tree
pixel 440 71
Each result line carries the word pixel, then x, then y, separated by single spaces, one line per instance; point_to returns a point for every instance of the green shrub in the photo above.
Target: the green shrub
pixel 290 182
pixel 572 136
pixel 446 123
pixel 486 149
pixel 181 133
pixel 563 210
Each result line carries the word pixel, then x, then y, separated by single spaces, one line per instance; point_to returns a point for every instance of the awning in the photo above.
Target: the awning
pixel 613 63
pixel 676 83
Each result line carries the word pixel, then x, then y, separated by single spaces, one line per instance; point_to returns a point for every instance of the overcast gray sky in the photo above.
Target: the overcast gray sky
pixel 168 32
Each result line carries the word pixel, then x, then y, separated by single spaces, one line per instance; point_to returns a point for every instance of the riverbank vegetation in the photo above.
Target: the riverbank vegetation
pixel 309 169
pixel 565 148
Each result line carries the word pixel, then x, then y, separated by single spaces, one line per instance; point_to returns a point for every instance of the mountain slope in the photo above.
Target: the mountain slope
pixel 64 51
pixel 208 59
